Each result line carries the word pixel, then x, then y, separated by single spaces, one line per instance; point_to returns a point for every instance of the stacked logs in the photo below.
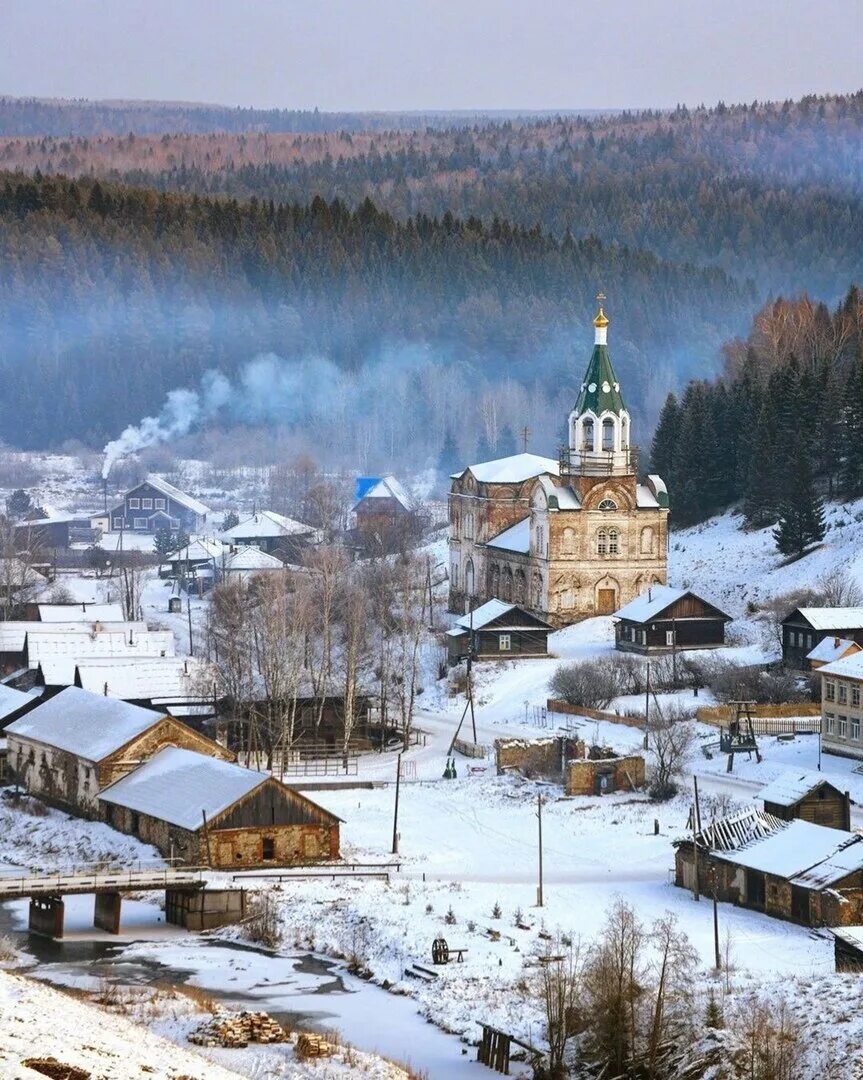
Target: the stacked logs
pixel 236 1030
pixel 313 1046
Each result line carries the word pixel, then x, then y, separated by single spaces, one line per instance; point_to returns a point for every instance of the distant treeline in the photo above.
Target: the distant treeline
pixel 788 407
pixel 112 296
pixel 768 192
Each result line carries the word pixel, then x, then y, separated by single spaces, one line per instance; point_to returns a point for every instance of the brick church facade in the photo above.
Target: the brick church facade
pixel 570 538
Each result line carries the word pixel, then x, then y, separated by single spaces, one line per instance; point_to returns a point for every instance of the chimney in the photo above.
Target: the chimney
pixel 836 641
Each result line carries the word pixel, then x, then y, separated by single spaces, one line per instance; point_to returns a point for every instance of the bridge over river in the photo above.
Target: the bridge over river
pixel 187 902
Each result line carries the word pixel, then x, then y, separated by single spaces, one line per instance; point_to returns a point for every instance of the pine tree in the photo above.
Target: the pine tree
pixel 663 447
pixel 801 519
pixel 164 542
pixel 448 459
pixel 18 504
pixel 232 519
pixel 851 435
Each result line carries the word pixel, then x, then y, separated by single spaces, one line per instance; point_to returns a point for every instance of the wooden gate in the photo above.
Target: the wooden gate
pixel 606 601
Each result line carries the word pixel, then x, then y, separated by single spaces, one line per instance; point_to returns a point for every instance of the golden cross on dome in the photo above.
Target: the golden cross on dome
pixel 600 296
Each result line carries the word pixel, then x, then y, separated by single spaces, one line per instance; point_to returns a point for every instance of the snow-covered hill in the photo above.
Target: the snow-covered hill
pixel 735 568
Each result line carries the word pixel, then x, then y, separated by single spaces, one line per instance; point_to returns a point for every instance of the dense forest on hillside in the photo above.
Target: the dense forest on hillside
pixel 768 192
pixel 783 422
pixel 391 335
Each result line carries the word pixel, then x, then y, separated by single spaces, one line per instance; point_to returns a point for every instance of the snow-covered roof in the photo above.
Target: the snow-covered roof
pixel 266 525
pixel 487 613
pixel 82 645
pixel 515 538
pixel 833 618
pixel 829 649
pixel 386 487
pixel 251 558
pixel 171 492
pixel 14 631
pixel 644 497
pixel 511 470
pixel 199 550
pixel 653 602
pixel 564 496
pixel 795 847
pixel 11 700
pixel 180 786
pixel 790 787
pixel 846 859
pixel 81 613
pixel 849 667
pixel 89 725
pixel 162 680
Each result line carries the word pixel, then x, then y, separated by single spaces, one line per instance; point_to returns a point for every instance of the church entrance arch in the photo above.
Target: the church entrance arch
pixel 607 593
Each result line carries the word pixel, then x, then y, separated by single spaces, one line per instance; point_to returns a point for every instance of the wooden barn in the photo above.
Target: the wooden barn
pixel 804 628
pixel 385 514
pixel 273 533
pixel 68 748
pixel 830 649
pixel 498 631
pixel 808 796
pixel 794 870
pixel 210 812
pixel 663 618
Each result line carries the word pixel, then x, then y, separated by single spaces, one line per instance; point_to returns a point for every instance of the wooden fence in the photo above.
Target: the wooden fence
pixel 768 719
pixel 559 706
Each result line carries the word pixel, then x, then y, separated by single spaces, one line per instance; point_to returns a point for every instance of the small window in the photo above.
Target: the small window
pixel 829 691
pixel 175 523
pixel 843 693
pixel 140 523
pixel 504 642
pixel 602 542
pixel 118 523
pixel 612 542
pixel 146 504
pixel 607 434
pixel 792 639
pixel 238 856
pixel 829 723
pixel 643 634
pixel 855 727
pixel 608 504
pixel 669 637
pixel 159 504
pixel 842 727
pixel 855 696
pixel 134 504
pixel 268 849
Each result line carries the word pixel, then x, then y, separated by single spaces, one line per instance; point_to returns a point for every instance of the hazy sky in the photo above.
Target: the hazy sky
pixel 431 54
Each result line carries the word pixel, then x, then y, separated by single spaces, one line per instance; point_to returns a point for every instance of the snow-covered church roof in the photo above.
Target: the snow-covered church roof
pixel 510 470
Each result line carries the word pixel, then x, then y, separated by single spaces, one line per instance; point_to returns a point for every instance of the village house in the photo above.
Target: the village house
pixel 21 640
pixel 498 631
pixel 154 505
pixel 804 628
pixel 89 614
pixel 793 869
pixel 76 743
pixel 842 706
pixel 809 796
pixel 570 538
pixel 181 685
pixel 58 532
pixel 664 618
pixel 205 811
pixel 384 513
pixel 241 564
pixel 829 649
pixel 273 533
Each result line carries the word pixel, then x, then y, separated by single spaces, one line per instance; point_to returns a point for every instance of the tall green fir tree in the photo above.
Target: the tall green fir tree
pixel 801 518
pixel 664 445
pixel 851 435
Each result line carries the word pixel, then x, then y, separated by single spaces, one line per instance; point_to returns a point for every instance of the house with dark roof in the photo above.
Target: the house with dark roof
pixel 498 631
pixel 154 505
pixel 207 811
pixel 384 513
pixel 664 618
pixel 68 748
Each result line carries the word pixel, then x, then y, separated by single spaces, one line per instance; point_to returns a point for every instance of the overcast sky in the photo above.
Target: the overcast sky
pixel 431 54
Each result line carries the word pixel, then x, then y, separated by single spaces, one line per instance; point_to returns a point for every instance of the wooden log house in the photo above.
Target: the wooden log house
pixel 664 618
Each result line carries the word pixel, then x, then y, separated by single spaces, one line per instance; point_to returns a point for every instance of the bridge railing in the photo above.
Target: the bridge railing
pixel 82 877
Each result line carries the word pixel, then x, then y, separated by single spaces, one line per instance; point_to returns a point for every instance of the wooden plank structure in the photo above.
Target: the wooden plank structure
pixel 495 1049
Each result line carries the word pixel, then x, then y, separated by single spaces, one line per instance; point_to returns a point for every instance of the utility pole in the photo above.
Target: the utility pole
pixel 396 809
pixel 674 653
pixel 647 707
pixel 431 595
pixel 539 896
pixel 189 611
pixel 695 826
pixel 715 919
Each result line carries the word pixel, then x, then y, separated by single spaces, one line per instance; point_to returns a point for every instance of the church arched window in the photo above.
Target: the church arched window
pixel 613 542
pixel 608 504
pixel 520 587
pixel 468 525
pixel 506 585
pixel 587 435
pixel 608 434
pixel 568 544
pixel 469 578
pixel 494 580
pixel 647 540
pixel 602 542
pixel 537 591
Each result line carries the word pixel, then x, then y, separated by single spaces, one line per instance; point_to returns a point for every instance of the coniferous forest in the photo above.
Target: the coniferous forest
pixel 438 277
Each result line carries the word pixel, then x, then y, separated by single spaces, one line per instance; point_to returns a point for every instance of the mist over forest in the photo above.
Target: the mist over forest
pixel 399 296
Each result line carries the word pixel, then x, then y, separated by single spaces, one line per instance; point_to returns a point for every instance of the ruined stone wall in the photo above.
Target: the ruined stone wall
pixel 582 776
pixel 55 775
pixel 168 732
pixel 536 757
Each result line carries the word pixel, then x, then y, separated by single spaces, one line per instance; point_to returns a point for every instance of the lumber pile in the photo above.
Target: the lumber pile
pixel 313 1046
pixel 236 1030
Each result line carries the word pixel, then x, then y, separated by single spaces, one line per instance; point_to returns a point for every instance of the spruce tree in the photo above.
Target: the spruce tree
pixel 448 460
pixel 663 447
pixel 851 435
pixel 801 519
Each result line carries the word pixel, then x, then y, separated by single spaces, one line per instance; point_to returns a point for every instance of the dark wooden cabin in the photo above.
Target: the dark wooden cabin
pixel 808 796
pixel 663 619
pixel 804 628
pixel 498 631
